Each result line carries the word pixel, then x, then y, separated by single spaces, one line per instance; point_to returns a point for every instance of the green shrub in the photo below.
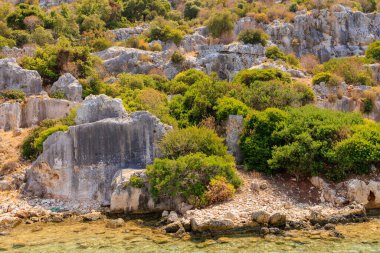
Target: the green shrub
pixel 351 69
pixel 275 53
pixel 220 23
pixel 192 9
pixel 16 18
pixel 219 190
pixel 181 142
pixel 292 60
pixel 321 77
pixel 165 31
pixel 230 106
pixel 177 57
pixel 261 95
pixel 21 37
pixel 301 141
pixel 249 76
pixel 58 94
pixel 13 94
pixel 373 51
pixel 6 42
pixel 368 105
pixel 136 181
pixel 254 36
pixel 52 61
pixel 145 10
pixel 188 176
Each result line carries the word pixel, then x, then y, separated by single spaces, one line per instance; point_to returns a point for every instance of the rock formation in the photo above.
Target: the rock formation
pixel 234 127
pixel 12 76
pixel 95 108
pixel 69 86
pixel 123 34
pixel 81 163
pixel 32 111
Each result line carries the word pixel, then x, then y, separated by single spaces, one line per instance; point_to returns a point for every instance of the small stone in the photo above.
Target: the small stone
pixel 263 186
pixel 94 216
pixel 173 227
pixel 264 230
pixel 329 226
pixel 255 186
pixel 118 223
pixel 165 214
pixel 277 220
pixel 275 231
pixel 17 132
pixel 172 217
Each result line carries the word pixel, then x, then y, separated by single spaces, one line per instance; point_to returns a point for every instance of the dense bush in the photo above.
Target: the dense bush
pixel 145 10
pixel 165 31
pixel 275 53
pixel 6 42
pixel 12 94
pixel 261 95
pixel 220 23
pixel 52 61
pixel 373 51
pixel 16 19
pixel 192 9
pixel 181 142
pixel 254 36
pixel 219 190
pixel 177 57
pixel 188 176
pixel 249 76
pixel 230 106
pixel 309 141
pixel 136 181
pixel 351 69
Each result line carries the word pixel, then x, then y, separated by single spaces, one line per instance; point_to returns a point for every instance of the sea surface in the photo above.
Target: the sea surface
pixel 74 236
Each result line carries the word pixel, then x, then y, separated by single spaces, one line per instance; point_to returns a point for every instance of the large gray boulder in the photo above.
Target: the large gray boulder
pixel 81 163
pixel 95 108
pixel 12 76
pixel 123 34
pixel 70 87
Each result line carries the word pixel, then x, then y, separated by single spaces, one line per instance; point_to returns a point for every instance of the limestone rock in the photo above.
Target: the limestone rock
pixel 80 164
pixel 234 127
pixel 70 86
pixel 9 221
pixel 16 52
pixel 95 108
pixel 38 108
pixel 118 223
pixel 123 34
pixel 260 217
pixel 277 220
pixel 93 216
pixel 211 225
pixel 10 115
pixel 12 76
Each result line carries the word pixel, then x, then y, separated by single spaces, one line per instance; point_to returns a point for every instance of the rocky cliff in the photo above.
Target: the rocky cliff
pixel 81 163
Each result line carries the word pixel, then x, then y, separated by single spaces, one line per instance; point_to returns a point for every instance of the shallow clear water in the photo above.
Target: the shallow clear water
pixel 72 236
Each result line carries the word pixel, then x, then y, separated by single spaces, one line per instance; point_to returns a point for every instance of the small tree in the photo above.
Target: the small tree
pixel 220 23
pixel 254 36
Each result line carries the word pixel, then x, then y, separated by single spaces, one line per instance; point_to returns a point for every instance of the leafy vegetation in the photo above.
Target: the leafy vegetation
pixel 12 94
pixel 254 36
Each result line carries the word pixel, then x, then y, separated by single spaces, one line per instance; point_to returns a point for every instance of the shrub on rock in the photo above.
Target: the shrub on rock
pixel 373 51
pixel 275 53
pixel 254 36
pixel 188 176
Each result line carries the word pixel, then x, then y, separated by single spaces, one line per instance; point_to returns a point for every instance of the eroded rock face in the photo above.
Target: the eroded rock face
pixel 10 116
pixel 70 87
pixel 38 108
pixel 51 3
pixel 16 52
pixel 12 76
pixel 234 127
pixel 327 34
pixel 81 163
pixel 123 34
pixel 95 108
pixel 32 111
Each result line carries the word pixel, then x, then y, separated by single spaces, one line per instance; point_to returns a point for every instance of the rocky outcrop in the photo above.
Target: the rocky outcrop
pixel 123 34
pixel 362 192
pixel 16 52
pixel 131 198
pixel 81 163
pixel 38 108
pixel 32 111
pixel 375 71
pixel 10 115
pixel 12 76
pixel 327 34
pixel 51 3
pixel 69 86
pixel 95 108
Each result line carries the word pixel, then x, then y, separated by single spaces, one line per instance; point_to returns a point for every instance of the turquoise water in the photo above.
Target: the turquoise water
pixel 73 236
